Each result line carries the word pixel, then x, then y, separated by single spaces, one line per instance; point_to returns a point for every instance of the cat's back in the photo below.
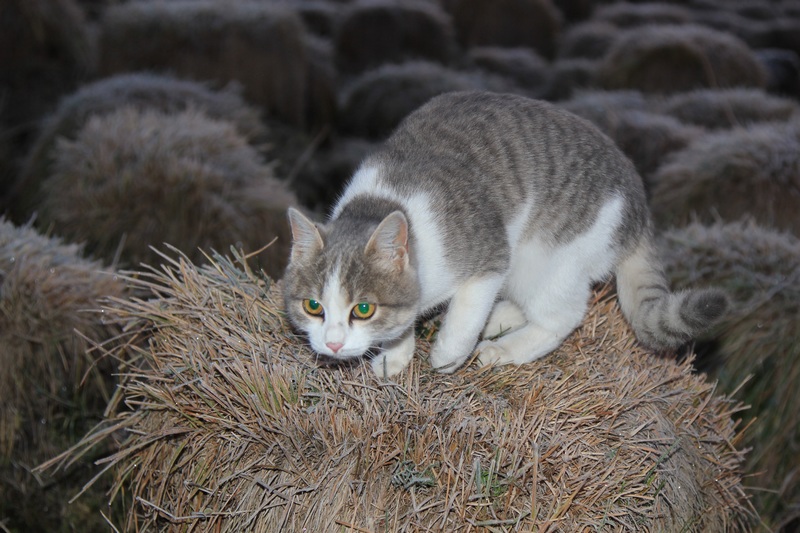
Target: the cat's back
pixel 492 155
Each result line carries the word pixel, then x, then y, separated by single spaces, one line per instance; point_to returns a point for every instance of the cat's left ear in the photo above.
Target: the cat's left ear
pixel 306 239
pixel 389 241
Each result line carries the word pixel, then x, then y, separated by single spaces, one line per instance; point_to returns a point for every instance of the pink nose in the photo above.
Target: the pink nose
pixel 334 346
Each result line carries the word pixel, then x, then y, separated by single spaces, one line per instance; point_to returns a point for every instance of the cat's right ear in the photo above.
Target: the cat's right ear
pixel 389 242
pixel 306 239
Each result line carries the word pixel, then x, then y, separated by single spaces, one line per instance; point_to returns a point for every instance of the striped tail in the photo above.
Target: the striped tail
pixel 661 319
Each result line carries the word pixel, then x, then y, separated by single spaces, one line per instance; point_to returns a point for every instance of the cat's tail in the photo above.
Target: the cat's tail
pixel 662 319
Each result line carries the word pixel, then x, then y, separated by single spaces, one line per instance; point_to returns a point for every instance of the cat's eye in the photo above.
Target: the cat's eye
pixel 312 307
pixel 363 310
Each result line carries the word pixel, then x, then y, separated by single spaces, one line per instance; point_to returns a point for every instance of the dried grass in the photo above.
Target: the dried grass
pixel 232 426
pixel 627 15
pixel 370 33
pixel 589 40
pixel 529 71
pixel 52 388
pixel 512 23
pixel 376 101
pixel 259 44
pixel 751 171
pixel 570 76
pixel 46 49
pixel 757 348
pixel 728 108
pixel 669 59
pixel 134 179
pixel 140 90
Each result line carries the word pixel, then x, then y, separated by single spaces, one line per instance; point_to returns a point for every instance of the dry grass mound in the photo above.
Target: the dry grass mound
pixel 320 181
pixel 669 59
pixel 45 50
pixel 375 102
pixel 512 23
pixel 134 179
pixel 322 84
pixel 730 174
pixel 232 426
pixel 729 108
pixel 52 389
pixel 571 76
pixel 626 15
pixel 260 44
pixel 646 138
pixel 140 90
pixel 783 70
pixel 525 68
pixel 760 338
pixel 370 33
pixel 590 40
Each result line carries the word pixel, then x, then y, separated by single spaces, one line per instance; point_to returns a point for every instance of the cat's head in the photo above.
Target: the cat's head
pixel 350 288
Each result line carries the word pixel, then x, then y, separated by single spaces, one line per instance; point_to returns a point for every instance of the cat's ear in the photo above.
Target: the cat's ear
pixel 306 239
pixel 389 241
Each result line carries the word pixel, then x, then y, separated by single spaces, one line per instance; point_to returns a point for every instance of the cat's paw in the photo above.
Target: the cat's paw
pixel 394 358
pixel 386 367
pixel 492 353
pixel 444 361
pixel 505 317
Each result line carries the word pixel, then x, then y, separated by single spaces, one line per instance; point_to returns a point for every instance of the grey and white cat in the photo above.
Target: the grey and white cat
pixel 505 208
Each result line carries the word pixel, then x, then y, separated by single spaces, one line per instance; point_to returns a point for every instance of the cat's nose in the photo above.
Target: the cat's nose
pixel 334 346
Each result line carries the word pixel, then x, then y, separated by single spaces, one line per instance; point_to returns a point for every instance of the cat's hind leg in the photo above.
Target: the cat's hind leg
pixel 465 318
pixel 505 317
pixel 550 319
pixel 552 283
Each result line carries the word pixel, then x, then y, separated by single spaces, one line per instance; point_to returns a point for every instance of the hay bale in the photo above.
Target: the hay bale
pixel 670 59
pixel 132 179
pixel 570 76
pixel 527 69
pixel 647 138
pixel 233 427
pixel 375 102
pixel 781 33
pixel 575 10
pixel 727 22
pixel 321 84
pixel 141 90
pixel 728 108
pixel 512 23
pixel 52 388
pixel 756 351
pixel 260 44
pixel 589 40
pixel 320 181
pixel 730 174
pixel 319 16
pixel 625 15
pixel 783 70
pixel 370 33
pixel 46 49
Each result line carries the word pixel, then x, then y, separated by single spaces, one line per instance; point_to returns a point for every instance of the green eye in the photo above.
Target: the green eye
pixel 363 310
pixel 312 307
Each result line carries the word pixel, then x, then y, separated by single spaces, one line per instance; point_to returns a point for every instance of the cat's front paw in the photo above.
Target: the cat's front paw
pixel 444 361
pixel 492 353
pixel 394 358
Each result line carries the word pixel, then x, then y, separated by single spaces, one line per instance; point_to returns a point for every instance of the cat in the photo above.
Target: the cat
pixel 505 208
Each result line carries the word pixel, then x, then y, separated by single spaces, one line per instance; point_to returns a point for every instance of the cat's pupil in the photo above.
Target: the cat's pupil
pixel 313 305
pixel 363 308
